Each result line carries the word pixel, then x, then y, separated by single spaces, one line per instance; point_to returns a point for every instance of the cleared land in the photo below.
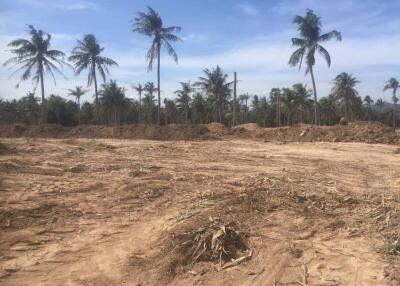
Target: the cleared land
pixel 120 212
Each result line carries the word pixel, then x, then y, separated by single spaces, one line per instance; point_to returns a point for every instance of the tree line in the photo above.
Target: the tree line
pixel 212 97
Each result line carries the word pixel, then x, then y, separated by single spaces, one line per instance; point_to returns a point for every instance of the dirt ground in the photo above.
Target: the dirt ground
pixel 111 211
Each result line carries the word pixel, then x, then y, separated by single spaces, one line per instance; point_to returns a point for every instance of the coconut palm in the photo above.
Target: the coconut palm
pixel 328 110
pixel 184 99
pixel 139 89
pixel 113 101
pixel 34 57
pixel 150 24
pixel 394 85
pixel 215 85
pixel 344 90
pixel 275 97
pixel 289 103
pixel 380 103
pixel 302 99
pixel 309 28
pixel 148 100
pixel 244 99
pixel 368 101
pixel 77 93
pixel 87 55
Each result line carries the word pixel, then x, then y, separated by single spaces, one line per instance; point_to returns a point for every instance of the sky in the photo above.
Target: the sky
pixel 250 37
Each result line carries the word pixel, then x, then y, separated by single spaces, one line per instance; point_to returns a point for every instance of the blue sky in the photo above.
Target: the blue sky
pixel 250 37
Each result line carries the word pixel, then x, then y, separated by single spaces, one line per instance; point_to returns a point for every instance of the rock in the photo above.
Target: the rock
pixel 343 121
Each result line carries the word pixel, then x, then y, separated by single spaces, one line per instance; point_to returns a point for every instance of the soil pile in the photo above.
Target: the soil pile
pixel 367 132
pixel 151 132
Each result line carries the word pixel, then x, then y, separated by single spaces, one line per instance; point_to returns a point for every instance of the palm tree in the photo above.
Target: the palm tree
pixel 394 85
pixel 244 98
pixel 289 103
pixel 34 57
pixel 113 101
pixel 77 93
pixel 344 90
pixel 183 99
pixel 275 96
pixel 150 24
pixel 302 101
pixel 87 55
pixel 368 101
pixel 198 107
pixel 328 110
pixel 380 103
pixel 139 89
pixel 148 100
pixel 309 28
pixel 215 86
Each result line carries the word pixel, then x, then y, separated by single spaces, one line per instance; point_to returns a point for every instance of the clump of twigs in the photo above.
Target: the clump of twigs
pixel 216 242
pixel 394 247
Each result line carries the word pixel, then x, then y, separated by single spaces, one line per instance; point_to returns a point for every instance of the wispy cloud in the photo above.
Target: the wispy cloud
pixel 63 4
pixel 247 9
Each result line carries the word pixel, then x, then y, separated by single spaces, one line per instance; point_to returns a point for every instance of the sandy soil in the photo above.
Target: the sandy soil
pixel 101 212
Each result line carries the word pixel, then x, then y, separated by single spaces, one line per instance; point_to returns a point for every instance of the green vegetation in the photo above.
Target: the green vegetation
pixel 210 99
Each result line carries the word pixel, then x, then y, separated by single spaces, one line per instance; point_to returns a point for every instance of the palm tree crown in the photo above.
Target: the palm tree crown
pixel 215 85
pixel 87 55
pixel 150 24
pixel 183 99
pixel 344 90
pixel 78 92
pixel 308 43
pixel 34 57
pixel 394 85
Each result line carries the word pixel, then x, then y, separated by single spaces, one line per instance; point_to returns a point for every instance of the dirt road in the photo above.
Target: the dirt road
pixel 99 212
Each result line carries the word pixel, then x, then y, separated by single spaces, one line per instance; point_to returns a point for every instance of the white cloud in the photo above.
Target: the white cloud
pixel 63 4
pixel 247 9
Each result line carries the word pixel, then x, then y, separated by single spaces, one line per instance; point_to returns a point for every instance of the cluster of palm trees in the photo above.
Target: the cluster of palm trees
pixel 210 94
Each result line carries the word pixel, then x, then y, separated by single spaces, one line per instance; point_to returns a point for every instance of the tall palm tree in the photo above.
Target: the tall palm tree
pixel 34 57
pixel 344 90
pixel 183 99
pixel 215 85
pixel 77 93
pixel 309 28
pixel 87 55
pixel 394 85
pixel 150 24
pixel 139 89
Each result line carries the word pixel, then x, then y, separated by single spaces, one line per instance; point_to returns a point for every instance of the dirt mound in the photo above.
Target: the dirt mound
pixel 151 132
pixel 368 132
pixel 247 127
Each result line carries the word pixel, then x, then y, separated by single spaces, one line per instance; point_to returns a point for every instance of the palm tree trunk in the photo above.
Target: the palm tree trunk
pixel 140 105
pixel 44 111
pixel 96 94
pixel 158 84
pixel 186 114
pixel 234 99
pixel 315 95
pixel 79 111
pixel 394 109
